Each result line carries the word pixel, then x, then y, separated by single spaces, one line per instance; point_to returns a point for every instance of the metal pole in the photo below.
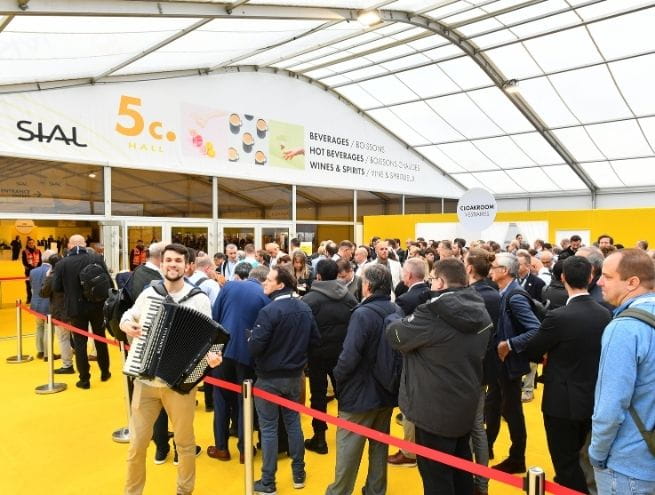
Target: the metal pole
pixel 122 435
pixel 535 481
pixel 19 357
pixel 51 387
pixel 248 426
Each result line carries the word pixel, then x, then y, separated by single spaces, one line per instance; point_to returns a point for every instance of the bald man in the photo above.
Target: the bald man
pixel 81 312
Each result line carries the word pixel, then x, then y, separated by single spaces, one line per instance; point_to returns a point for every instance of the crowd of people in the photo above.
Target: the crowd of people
pixel 450 331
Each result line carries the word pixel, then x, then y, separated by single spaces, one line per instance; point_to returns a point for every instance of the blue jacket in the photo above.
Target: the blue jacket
pixel 37 276
pixel 626 376
pixel 357 389
pixel 236 308
pixel 284 332
pixel 515 363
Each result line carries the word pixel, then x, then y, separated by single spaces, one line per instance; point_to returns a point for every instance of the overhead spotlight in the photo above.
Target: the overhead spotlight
pixel 511 86
pixel 369 18
pixel 92 175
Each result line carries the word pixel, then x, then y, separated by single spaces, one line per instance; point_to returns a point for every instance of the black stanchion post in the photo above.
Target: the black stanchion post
pixel 122 435
pixel 248 426
pixel 535 481
pixel 51 387
pixel 19 357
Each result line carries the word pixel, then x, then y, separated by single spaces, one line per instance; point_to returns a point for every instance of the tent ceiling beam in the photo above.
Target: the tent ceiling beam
pixel 5 22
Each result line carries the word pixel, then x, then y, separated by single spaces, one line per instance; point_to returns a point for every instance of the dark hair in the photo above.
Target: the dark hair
pixel 575 238
pixel 54 259
pixel 346 244
pixel 192 255
pixel 480 259
pixel 602 236
pixel 242 270
pixel 330 249
pixel 285 276
pixel 577 270
pixel 637 263
pixel 619 246
pixel 220 256
pixel 446 244
pixel 179 249
pixel 284 260
pixel 259 273
pixel 327 269
pixel 460 242
pixel 642 245
pixel 295 242
pixel 343 266
pixel 452 271
pixel 378 278
pixel 265 256
pixel 558 268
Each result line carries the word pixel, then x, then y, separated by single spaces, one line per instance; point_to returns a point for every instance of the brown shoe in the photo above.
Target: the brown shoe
pixel 215 453
pixel 479 491
pixel 399 459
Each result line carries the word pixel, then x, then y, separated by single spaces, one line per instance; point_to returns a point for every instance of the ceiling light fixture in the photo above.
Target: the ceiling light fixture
pixel 369 18
pixel 92 175
pixel 511 86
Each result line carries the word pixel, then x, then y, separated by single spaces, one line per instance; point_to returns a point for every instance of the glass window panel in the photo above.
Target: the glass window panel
pixel 374 203
pixel 532 11
pixel 253 199
pixel 576 43
pixel 498 182
pixel 467 156
pixel 504 152
pixel 483 26
pixel 377 44
pixel 648 126
pixel 420 204
pixel 444 52
pixel 323 203
pixel 425 121
pixel 564 177
pixel 636 79
pixel 514 61
pixel 319 73
pixel 37 186
pixel 336 80
pixel 357 40
pixel 160 194
pixel 392 28
pixel 465 73
pixel 218 41
pixel 393 123
pixel 464 16
pixel 546 24
pixel 388 90
pixel 460 112
pixel 608 7
pixel 366 72
pixel 69 47
pixel 450 8
pixel 428 42
pixel 441 160
pixel 620 139
pixel 495 103
pixel 428 81
pixel 591 94
pixel 494 39
pixel 543 98
pixel 637 172
pixel 625 35
pixel 410 33
pixel 469 181
pixel 396 51
pixel 315 233
pixel 602 174
pixel 533 179
pixel 579 144
pixel 404 62
pixel 537 148
pixel 358 96
pixel 346 65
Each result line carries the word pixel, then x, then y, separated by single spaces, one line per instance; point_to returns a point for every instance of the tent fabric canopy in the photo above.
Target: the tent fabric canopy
pixel 437 74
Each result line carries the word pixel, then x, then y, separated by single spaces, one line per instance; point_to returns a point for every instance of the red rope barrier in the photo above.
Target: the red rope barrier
pixel 378 436
pixel 2 279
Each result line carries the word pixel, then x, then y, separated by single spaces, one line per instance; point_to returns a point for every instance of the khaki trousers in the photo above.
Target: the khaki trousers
pixel 147 402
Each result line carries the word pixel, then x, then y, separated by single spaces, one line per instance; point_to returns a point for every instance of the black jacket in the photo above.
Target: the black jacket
pixel 67 280
pixel 443 343
pixel 141 278
pixel 283 333
pixel 358 391
pixel 331 304
pixel 416 295
pixel 571 336
pixel 491 297
pixel 556 294
pixel 57 302
pixel 534 286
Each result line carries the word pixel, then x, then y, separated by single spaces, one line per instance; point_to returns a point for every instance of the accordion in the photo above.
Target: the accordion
pixel 173 345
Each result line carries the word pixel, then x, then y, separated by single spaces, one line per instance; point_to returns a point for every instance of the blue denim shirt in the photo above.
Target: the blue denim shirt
pixel 626 376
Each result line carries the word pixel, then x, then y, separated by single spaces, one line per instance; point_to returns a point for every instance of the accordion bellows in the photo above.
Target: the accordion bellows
pixel 173 346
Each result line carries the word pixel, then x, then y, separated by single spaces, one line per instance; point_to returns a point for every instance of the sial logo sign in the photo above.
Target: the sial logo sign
pixel 42 133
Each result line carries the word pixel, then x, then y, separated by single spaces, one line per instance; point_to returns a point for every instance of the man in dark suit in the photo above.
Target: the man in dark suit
pixel 80 311
pixel 571 335
pixel 416 294
pixel 532 284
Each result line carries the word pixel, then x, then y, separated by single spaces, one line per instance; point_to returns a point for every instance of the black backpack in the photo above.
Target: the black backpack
pixel 388 365
pixel 649 319
pixel 96 283
pixel 116 304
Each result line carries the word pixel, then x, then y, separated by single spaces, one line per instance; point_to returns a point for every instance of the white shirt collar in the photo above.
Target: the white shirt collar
pixel 576 295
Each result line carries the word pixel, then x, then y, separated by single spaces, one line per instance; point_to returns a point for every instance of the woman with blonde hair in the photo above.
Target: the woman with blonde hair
pixel 302 271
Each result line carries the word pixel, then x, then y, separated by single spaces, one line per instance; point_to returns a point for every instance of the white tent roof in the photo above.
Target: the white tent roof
pixel 434 72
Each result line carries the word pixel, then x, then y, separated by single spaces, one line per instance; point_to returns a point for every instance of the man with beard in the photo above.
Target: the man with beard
pixel 151 395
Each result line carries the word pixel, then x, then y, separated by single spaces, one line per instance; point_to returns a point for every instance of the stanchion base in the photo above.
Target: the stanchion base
pixel 25 358
pixel 122 435
pixel 47 389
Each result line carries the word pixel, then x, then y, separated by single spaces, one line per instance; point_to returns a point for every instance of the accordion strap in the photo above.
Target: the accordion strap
pixel 161 290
